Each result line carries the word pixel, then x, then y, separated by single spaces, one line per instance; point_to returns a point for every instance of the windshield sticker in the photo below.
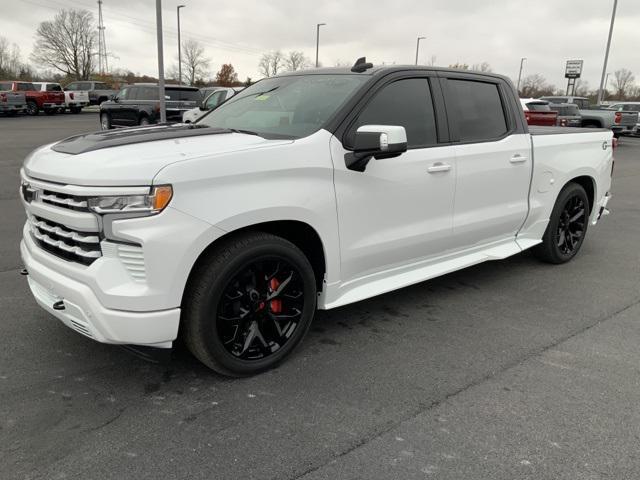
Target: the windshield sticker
pixel 262 98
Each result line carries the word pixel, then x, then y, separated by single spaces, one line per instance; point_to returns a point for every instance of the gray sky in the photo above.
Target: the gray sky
pixel 547 32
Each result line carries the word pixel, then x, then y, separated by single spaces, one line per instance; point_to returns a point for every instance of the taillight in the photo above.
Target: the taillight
pixel 526 116
pixel 3 97
pixel 618 117
pixel 71 95
pixel 563 122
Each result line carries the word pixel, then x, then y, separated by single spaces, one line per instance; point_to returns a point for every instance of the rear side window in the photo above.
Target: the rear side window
pixel 99 86
pixel 53 87
pixel 26 87
pixel 631 107
pixel 581 102
pixel 406 103
pixel 479 111
pixel 6 86
pixel 182 95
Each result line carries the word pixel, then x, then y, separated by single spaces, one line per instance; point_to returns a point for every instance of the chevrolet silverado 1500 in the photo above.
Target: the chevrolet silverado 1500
pixel 306 190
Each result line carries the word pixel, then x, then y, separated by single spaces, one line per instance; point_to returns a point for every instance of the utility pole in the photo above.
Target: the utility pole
pixel 179 47
pixel 103 67
pixel 606 54
pixel 520 74
pixel 163 108
pixel 418 47
pixel 606 84
pixel 318 40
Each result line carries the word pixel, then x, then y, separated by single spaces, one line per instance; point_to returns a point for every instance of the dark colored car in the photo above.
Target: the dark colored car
pixel 138 104
pixel 568 114
pixel 98 91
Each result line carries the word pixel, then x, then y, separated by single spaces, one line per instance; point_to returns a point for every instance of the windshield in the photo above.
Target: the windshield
pixel 285 107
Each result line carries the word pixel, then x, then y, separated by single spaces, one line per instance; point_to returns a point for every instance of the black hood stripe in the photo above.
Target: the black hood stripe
pixel 128 136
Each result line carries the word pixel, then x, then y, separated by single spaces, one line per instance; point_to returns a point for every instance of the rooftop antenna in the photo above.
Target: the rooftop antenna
pixel 103 66
pixel 361 65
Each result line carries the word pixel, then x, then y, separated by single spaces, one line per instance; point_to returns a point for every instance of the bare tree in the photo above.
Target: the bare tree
pixel 296 60
pixel 622 81
pixel 535 85
pixel 67 43
pixel 195 65
pixel 581 88
pixel 10 61
pixel 459 66
pixel 432 61
pixel 271 63
pixel 481 67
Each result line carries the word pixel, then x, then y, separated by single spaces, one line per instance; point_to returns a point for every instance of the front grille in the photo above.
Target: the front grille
pixel 64 200
pixel 63 242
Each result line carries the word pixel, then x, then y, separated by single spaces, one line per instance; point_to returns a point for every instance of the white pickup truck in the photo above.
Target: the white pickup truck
pixel 74 101
pixel 306 190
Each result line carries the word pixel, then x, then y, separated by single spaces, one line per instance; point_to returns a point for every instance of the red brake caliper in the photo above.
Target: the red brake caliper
pixel 276 304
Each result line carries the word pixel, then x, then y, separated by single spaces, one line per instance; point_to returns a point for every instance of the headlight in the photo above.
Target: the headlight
pixel 151 203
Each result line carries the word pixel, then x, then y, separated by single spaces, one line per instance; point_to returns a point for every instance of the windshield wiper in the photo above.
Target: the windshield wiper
pixel 240 130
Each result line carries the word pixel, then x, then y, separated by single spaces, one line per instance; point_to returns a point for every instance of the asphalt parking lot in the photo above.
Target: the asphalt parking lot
pixel 511 369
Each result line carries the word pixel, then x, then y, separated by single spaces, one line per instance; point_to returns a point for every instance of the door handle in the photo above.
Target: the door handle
pixel 518 159
pixel 439 167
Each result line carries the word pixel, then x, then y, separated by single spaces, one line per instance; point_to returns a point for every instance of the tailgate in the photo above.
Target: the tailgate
pixel 627 118
pixel 13 98
pixel 545 119
pixel 54 97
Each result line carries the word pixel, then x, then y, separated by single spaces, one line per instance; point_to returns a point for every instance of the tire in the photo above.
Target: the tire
pixel 75 110
pixel 32 108
pixel 105 121
pixel 144 121
pixel 239 336
pixel 565 232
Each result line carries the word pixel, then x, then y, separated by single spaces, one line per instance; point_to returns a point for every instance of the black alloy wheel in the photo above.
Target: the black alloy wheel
pixel 248 303
pixel 260 308
pixel 567 226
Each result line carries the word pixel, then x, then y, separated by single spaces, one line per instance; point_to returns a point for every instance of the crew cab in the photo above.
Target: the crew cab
pixel 11 102
pixel 309 190
pixel 211 101
pixel 618 122
pixel 538 112
pixel 138 104
pixel 49 101
pixel 74 101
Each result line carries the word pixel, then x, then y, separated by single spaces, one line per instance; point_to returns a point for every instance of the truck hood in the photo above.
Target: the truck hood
pixel 133 156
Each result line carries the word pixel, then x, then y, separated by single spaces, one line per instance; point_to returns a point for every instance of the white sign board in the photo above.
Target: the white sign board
pixel 573 69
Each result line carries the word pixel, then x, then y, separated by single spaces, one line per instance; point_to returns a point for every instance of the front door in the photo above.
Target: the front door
pixel 399 210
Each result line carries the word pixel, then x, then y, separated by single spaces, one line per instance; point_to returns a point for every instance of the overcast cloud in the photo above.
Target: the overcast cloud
pixel 547 32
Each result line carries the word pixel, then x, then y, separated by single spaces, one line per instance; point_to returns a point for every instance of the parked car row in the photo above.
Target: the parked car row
pixel 138 104
pixel 49 97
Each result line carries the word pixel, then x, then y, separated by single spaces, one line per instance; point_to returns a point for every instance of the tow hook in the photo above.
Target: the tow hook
pixel 59 305
pixel 24 271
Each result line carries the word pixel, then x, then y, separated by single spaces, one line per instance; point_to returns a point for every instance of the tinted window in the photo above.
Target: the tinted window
pixel 479 110
pixel 581 102
pixel 556 99
pixel 53 87
pixel 6 86
pixel 566 110
pixel 183 95
pixel 26 87
pixel 123 93
pixel 405 103
pixel 98 86
pixel 631 107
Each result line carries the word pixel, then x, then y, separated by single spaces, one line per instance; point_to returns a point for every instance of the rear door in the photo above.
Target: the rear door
pixel 399 210
pixel 493 160
pixel 115 108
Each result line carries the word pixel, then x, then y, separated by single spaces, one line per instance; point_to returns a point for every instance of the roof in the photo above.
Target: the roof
pixel 166 85
pixel 385 69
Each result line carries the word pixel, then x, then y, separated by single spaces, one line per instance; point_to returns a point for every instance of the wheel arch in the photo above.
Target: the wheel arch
pixel 300 233
pixel 588 183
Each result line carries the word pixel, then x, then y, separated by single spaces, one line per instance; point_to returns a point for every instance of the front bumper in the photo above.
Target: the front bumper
pixel 79 308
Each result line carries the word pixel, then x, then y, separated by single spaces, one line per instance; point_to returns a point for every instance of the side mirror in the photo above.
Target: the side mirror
pixel 377 141
pixel 113 98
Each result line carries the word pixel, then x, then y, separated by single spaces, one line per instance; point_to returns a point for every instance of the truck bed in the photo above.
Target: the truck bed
pixel 538 130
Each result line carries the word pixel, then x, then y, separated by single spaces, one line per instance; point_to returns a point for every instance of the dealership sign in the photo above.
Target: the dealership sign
pixel 573 69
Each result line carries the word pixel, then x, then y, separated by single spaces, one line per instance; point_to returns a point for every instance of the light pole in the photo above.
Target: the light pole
pixel 520 74
pixel 179 46
pixel 418 47
pixel 606 84
pixel 163 110
pixel 318 40
pixel 606 53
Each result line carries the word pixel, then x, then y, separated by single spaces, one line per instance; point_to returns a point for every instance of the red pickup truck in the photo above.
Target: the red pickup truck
pixel 47 101
pixel 538 112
